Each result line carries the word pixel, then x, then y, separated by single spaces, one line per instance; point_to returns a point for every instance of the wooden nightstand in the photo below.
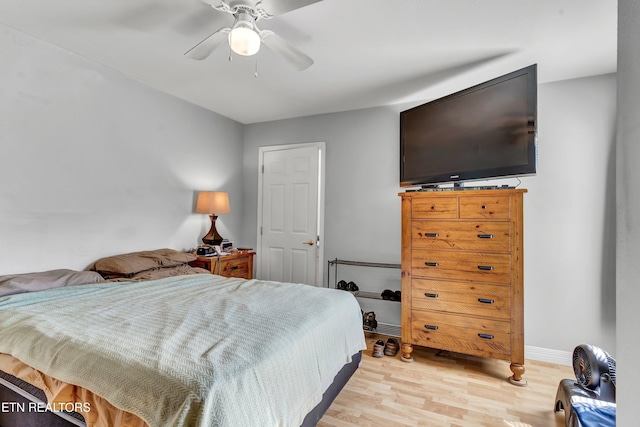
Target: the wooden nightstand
pixel 237 264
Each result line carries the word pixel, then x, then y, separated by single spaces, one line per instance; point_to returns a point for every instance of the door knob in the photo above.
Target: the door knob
pixel 309 242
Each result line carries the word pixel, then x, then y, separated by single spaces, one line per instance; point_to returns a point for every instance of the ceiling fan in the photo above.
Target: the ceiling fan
pixel 245 38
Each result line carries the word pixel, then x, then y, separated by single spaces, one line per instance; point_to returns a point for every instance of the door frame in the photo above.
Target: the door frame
pixel 321 146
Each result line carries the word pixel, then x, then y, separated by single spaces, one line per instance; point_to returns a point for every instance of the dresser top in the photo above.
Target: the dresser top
pixel 462 192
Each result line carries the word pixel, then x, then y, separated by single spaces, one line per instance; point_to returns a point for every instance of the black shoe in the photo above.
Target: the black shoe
pixel 388 294
pixel 369 322
pixel 342 285
pixel 352 287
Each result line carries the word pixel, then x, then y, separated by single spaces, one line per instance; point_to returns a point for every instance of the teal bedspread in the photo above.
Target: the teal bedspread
pixel 197 350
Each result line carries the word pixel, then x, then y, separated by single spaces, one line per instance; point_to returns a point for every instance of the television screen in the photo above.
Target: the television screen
pixel 486 131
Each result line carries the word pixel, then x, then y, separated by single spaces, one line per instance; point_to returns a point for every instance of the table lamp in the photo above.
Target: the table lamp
pixel 212 203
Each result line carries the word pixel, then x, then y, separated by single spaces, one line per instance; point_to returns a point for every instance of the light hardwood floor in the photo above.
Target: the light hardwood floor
pixel 445 390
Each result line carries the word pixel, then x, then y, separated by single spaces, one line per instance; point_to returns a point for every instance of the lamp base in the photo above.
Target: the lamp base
pixel 215 242
pixel 212 237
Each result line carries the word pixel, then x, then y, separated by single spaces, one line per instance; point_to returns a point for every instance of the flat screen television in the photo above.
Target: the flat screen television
pixel 486 131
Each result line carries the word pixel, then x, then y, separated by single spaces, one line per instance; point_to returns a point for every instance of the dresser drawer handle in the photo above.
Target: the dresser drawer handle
pixel 234 267
pixel 431 234
pixel 484 206
pixel 431 327
pixel 485 267
pixel 433 208
pixel 485 236
pixel 428 295
pixel 485 300
pixel 486 336
pixel 431 264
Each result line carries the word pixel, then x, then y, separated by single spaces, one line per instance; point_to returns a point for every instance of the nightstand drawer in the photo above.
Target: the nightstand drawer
pixel 237 264
pixel 235 267
pixel 205 262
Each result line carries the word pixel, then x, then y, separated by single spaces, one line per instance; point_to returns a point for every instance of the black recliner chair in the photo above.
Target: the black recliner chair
pixel 590 399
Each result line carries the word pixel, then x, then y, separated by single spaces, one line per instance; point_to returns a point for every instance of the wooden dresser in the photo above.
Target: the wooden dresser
pixel 237 264
pixel 462 274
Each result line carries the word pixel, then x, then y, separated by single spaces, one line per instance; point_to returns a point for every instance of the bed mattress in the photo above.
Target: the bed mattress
pixel 13 389
pixel 27 406
pixel 197 350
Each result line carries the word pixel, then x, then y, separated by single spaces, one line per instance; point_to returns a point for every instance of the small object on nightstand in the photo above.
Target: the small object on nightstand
pixel 206 251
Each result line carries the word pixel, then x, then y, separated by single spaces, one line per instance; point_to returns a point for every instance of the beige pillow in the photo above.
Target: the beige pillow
pixel 135 262
pixel 159 273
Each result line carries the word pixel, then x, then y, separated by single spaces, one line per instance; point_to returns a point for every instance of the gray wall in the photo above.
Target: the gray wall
pixel 569 218
pixel 94 163
pixel 628 207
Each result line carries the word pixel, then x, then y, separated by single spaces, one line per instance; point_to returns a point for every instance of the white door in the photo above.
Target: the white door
pixel 289 220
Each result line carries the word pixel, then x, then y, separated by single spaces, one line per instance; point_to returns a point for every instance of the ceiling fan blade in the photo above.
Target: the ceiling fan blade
pixel 278 7
pixel 209 44
pixel 213 3
pixel 290 53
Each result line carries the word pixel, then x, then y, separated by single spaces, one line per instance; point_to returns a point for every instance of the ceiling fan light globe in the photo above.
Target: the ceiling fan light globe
pixel 244 41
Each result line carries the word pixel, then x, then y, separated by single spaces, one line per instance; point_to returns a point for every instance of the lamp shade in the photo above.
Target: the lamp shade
pixel 213 202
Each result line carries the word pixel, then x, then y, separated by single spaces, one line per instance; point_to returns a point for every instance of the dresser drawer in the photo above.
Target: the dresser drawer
pixel 459 265
pixel 235 267
pixel 478 236
pixel 497 207
pixel 434 208
pixel 476 299
pixel 462 334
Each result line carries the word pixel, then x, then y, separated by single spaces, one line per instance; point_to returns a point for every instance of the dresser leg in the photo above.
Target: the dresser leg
pixel 406 349
pixel 518 371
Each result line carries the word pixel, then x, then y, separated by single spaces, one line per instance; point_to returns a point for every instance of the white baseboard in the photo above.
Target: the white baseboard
pixel 548 355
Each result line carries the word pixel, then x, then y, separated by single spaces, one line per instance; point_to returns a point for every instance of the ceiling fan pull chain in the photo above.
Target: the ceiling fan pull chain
pixel 255 74
pixel 230 56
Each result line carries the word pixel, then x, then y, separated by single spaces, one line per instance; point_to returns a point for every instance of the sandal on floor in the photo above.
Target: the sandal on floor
pixel 391 347
pixel 378 349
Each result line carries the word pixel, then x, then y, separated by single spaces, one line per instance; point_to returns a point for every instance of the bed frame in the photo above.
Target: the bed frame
pixel 18 393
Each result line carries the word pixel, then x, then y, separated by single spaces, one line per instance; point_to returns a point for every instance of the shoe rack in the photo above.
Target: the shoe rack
pixel 383 328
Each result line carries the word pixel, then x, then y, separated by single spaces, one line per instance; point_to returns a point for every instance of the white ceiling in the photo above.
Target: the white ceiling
pixel 367 52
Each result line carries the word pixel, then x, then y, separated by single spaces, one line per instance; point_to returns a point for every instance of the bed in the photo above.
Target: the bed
pixel 188 349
